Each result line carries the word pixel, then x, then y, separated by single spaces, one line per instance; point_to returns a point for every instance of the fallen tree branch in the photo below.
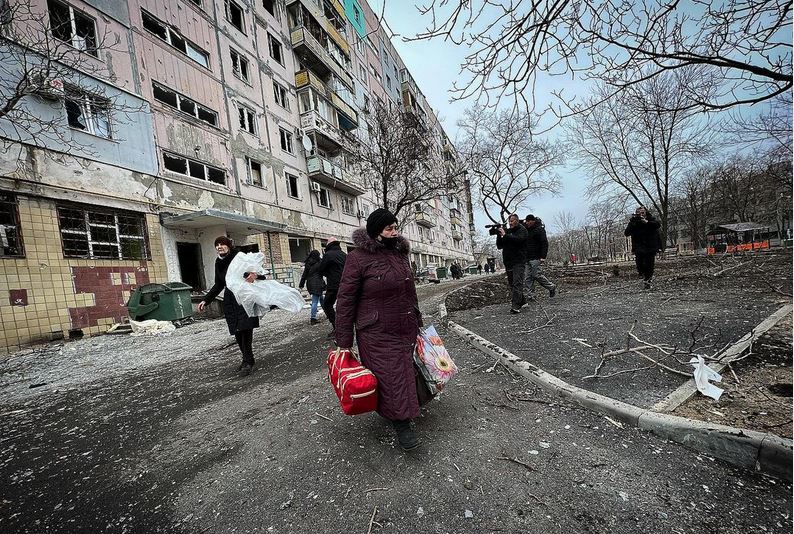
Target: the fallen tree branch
pixel 516 461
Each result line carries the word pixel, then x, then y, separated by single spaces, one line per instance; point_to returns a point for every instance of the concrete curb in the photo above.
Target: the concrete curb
pixel 685 392
pixel 764 452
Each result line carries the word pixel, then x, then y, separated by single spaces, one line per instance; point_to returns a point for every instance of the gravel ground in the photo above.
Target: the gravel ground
pixel 184 445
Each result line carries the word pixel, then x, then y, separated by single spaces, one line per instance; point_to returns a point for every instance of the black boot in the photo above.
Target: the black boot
pixel 405 435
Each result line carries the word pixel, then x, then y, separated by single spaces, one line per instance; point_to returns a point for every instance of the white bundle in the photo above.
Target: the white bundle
pixel 257 297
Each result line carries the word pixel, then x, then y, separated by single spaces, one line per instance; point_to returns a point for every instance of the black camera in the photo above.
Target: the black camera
pixel 493 229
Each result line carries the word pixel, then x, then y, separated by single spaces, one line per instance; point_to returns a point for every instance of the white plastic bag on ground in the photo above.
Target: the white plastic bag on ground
pixel 703 373
pixel 151 327
pixel 257 298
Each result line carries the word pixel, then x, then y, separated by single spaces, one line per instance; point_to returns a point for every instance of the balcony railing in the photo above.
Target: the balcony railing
pixel 455 218
pixel 329 173
pixel 311 121
pixel 305 44
pixel 425 217
pixel 456 235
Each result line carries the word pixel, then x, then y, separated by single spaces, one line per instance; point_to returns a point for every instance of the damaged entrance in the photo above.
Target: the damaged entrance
pixel 190 265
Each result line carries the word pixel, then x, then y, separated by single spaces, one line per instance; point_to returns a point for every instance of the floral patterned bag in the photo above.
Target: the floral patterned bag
pixel 432 360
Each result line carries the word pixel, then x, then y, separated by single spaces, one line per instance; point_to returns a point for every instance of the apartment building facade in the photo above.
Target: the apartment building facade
pixel 188 119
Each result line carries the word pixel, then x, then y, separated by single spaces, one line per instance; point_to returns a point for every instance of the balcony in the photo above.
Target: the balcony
pixel 323 170
pixel 305 78
pixel 312 122
pixel 424 216
pixel 457 235
pixel 345 110
pixel 315 56
pixel 455 218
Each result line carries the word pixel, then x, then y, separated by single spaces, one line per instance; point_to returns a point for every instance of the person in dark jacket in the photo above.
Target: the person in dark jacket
pixel 377 299
pixel 240 325
pixel 331 267
pixel 537 248
pixel 314 283
pixel 513 243
pixel 645 243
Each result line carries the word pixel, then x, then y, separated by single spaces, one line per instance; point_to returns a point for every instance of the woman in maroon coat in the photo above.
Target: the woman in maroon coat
pixel 377 295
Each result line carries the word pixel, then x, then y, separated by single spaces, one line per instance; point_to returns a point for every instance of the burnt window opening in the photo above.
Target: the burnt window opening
pixel 102 234
pixel 285 139
pixel 292 185
pixel 254 173
pixel 10 235
pixel 171 36
pixel 88 112
pixel 73 27
pixel 239 66
pixel 184 104
pixel 324 198
pixel 235 15
pixel 280 94
pixel 270 6
pixel 247 119
pixel 193 168
pixel 276 49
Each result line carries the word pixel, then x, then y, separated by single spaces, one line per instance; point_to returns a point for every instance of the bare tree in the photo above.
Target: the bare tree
pixel 694 205
pixel 507 165
pixel 637 145
pixel 745 45
pixel 605 231
pixel 397 154
pixel 566 225
pixel 48 59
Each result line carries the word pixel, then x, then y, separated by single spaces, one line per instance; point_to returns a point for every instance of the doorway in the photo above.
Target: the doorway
pixel 190 265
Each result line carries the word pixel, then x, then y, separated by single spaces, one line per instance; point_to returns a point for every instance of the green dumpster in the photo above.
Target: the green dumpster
pixel 472 269
pixel 441 272
pixel 164 302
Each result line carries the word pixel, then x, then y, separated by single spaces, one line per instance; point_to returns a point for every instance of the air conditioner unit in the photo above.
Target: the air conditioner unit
pixel 315 187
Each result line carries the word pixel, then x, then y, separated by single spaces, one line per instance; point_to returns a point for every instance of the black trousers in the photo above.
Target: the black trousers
pixel 515 280
pixel 645 263
pixel 328 304
pixel 245 340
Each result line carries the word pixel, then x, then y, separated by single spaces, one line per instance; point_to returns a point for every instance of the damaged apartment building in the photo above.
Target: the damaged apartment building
pixel 155 126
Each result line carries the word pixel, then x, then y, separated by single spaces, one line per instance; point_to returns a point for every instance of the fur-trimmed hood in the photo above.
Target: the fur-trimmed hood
pixel 362 240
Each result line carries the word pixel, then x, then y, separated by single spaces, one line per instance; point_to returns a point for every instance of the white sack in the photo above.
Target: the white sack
pixel 703 373
pixel 257 297
pixel 151 327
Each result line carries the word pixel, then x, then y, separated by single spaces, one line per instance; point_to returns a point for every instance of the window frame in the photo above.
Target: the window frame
pixel 91 243
pixel 227 5
pixel 286 135
pixel 324 191
pixel 73 27
pixel 270 40
pixel 12 201
pixel 237 66
pixel 169 40
pixel 179 98
pixel 280 93
pixel 89 104
pixel 288 176
pixel 207 167
pixel 247 119
pixel 347 205
pixel 249 173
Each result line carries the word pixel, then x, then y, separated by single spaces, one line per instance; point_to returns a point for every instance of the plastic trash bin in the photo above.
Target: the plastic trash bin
pixel 441 272
pixel 164 302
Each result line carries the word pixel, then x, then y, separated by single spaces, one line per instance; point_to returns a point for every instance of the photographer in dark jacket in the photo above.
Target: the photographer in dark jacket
pixel 314 283
pixel 331 267
pixel 645 243
pixel 513 243
pixel 537 248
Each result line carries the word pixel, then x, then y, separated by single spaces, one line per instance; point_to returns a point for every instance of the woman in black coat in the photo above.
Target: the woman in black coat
pixel 643 228
pixel 313 281
pixel 240 325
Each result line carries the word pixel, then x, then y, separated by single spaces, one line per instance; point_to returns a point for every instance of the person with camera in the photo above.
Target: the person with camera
pixel 512 241
pixel 645 242
pixel 537 248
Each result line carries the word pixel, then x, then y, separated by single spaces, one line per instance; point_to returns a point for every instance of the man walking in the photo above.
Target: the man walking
pixel 645 243
pixel 331 267
pixel 537 248
pixel 513 243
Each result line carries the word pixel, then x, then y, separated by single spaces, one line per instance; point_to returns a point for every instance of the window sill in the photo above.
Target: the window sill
pixel 193 181
pixel 246 82
pixel 184 116
pixel 293 197
pixel 86 52
pixel 110 139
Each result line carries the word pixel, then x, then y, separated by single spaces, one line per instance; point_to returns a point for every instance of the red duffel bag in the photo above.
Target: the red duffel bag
pixel 355 385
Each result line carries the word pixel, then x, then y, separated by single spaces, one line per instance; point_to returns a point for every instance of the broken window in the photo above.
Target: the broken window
pixel 171 36
pixel 234 14
pixel 286 140
pixel 254 173
pixel 239 65
pixel 72 27
pixel 247 119
pixel 97 233
pixel 10 238
pixel 324 198
pixel 87 112
pixel 183 104
pixel 347 205
pixel 292 185
pixel 270 6
pixel 281 95
pixel 276 49
pixel 193 168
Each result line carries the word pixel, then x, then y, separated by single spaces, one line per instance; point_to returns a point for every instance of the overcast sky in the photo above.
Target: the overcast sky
pixel 435 65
